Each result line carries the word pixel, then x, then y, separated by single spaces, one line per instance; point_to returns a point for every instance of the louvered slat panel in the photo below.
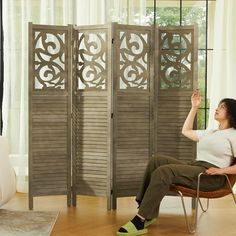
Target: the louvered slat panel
pixel 92 145
pixel 169 128
pixel 132 137
pixel 48 167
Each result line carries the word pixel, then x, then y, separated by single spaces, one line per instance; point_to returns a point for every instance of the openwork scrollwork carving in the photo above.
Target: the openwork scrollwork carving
pixel 133 61
pixel 176 60
pixel 92 65
pixel 49 60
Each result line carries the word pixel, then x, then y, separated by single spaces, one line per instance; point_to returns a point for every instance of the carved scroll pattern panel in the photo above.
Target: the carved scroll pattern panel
pixel 176 60
pixel 92 65
pixel 134 62
pixel 50 53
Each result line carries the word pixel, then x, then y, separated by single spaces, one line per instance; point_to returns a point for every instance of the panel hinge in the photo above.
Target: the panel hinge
pixel 112 41
pixel 111 115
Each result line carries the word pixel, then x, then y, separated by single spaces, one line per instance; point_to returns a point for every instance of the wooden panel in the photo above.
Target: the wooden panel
pixel 133 107
pixel 92 146
pixel 49 111
pixel 176 74
pixel 92 111
pixel 50 150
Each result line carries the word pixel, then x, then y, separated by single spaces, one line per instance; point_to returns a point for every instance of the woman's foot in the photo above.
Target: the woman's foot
pixel 149 222
pixel 133 227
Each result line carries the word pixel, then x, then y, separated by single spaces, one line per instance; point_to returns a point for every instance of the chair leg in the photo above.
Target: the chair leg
pixel 231 188
pixel 191 229
pixel 207 206
pixel 233 197
pixel 197 200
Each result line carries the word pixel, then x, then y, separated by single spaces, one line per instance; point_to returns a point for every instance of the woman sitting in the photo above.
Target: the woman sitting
pixel 216 152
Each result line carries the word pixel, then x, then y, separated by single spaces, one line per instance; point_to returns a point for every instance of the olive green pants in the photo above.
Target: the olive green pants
pixel 161 172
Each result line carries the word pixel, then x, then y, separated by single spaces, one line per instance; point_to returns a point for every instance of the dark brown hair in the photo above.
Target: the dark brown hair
pixel 231 110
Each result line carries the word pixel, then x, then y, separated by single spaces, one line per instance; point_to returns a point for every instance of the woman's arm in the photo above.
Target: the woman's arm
pixel 187 129
pixel 221 171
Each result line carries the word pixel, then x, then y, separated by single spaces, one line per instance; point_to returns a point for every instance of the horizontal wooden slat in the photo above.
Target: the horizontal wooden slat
pixel 132 132
pixel 91 145
pixel 91 175
pixel 49 145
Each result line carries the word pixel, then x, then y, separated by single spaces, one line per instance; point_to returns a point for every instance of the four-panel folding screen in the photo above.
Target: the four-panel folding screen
pixel 103 100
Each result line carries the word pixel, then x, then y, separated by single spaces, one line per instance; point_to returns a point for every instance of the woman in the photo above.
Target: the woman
pixel 215 155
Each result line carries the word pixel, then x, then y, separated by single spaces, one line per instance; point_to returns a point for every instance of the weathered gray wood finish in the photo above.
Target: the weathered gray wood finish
pixel 92 103
pixel 133 107
pixel 176 78
pixel 106 98
pixel 49 111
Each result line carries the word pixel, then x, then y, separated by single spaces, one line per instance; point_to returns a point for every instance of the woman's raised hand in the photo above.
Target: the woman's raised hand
pixel 196 98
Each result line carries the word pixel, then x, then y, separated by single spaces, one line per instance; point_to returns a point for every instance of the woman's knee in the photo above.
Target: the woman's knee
pixel 160 159
pixel 163 173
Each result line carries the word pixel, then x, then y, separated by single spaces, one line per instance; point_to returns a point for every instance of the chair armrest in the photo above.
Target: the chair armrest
pixel 203 173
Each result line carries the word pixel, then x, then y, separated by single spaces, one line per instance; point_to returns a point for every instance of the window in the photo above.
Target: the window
pixel 183 12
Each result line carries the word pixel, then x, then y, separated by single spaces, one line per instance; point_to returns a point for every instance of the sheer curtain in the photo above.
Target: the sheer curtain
pixel 16 15
pixel 127 12
pixel 223 81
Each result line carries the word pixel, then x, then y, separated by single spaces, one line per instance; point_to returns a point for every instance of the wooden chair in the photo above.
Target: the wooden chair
pixel 197 194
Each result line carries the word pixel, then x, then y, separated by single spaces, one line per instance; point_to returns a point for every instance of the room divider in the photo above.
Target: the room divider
pixel 103 100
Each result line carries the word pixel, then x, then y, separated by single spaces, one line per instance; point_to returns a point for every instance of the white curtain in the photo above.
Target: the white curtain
pixel 127 12
pixel 16 15
pixel 223 81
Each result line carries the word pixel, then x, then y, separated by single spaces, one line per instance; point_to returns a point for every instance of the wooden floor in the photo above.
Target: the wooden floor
pixel 90 217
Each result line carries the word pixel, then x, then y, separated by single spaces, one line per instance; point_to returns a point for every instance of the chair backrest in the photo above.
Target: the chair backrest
pixel 7 174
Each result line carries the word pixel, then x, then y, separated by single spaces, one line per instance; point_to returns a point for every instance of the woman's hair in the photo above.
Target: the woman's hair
pixel 231 110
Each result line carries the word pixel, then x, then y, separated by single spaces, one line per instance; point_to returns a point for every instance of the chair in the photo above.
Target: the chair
pixel 197 194
pixel 7 174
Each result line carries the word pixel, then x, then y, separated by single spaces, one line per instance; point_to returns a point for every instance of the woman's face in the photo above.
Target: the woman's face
pixel 221 112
